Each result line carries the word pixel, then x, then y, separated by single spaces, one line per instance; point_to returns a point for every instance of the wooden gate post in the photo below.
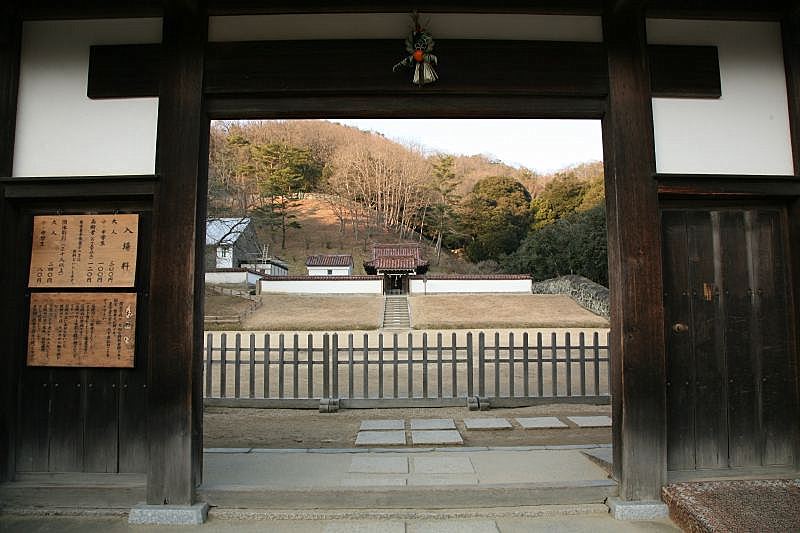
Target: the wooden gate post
pixel 10 43
pixel 175 398
pixel 634 257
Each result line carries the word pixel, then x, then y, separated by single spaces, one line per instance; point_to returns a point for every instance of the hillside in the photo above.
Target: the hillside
pixel 319 234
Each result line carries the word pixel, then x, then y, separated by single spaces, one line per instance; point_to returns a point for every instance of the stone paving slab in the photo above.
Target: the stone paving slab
pixel 377 526
pixel 452 526
pixel 487 423
pixel 381 438
pixel 382 425
pixel 541 422
pixel 436 437
pixel 373 481
pixel 432 423
pixel 443 465
pixel 365 464
pixel 442 479
pixel 591 421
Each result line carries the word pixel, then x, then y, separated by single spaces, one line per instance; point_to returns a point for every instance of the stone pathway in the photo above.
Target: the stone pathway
pixel 443 431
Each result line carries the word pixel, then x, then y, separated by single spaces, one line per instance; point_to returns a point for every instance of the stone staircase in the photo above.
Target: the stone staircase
pixel 395 313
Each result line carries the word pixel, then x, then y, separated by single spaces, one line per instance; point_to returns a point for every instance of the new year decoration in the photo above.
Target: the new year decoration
pixel 419 45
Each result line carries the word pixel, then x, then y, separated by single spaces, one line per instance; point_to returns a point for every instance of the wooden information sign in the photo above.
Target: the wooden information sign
pixel 82 329
pixel 84 251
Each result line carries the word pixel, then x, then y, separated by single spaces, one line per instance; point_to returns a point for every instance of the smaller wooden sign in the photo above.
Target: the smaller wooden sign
pixel 82 329
pixel 84 251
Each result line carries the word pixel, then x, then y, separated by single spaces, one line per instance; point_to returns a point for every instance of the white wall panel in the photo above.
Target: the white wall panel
pixel 396 26
pixel 60 131
pixel 433 286
pixel 316 286
pixel 744 132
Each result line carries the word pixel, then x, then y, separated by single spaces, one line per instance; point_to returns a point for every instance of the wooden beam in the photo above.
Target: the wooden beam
pixel 684 71
pixel 174 424
pixel 550 69
pixel 726 186
pixel 10 43
pixel 84 9
pixel 406 106
pixel 790 28
pixel 637 314
pixel 259 7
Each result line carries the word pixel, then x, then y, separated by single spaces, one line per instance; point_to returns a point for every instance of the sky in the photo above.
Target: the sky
pixel 540 145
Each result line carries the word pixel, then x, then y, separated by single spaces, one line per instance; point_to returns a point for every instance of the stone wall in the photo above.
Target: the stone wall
pixel 585 292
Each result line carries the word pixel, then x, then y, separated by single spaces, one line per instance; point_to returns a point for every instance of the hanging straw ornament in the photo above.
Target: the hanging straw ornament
pixel 419 45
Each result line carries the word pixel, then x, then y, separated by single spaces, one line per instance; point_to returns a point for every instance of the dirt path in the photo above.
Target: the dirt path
pixel 291 428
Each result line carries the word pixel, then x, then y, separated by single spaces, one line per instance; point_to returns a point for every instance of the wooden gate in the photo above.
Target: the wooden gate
pixel 731 359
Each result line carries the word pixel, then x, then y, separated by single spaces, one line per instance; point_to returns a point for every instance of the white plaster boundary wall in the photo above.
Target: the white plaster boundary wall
pixel 433 286
pixel 335 271
pixel 396 26
pixel 746 131
pixel 60 131
pixel 331 285
pixel 226 277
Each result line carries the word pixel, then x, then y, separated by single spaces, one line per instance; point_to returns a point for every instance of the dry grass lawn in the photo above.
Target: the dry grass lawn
pixel 463 311
pixel 309 312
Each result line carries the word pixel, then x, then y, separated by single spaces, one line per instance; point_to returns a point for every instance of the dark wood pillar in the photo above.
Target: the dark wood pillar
pixel 175 400
pixel 634 254
pixel 790 27
pixel 10 42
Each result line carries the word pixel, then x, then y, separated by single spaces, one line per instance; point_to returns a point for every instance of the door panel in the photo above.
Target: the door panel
pixel 731 365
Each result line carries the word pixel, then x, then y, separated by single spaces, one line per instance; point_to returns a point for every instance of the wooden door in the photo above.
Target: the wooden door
pixel 732 396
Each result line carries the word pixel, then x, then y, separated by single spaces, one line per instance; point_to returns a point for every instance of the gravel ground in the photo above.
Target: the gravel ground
pixel 295 428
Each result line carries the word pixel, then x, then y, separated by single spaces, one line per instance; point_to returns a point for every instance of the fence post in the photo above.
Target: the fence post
pixel 596 349
pixel 281 363
pixel 568 358
pixel 525 364
pixel 267 349
pixel 237 367
pixel 539 365
pixel 395 386
pixel 209 363
pixel 439 365
pixel 310 360
pixel 223 368
pixel 511 364
pixel 554 356
pixel 350 376
pixel 326 371
pixel 251 382
pixel 582 356
pixel 454 369
pixel 410 362
pixel 470 378
pixel 380 365
pixel 295 366
pixel 365 387
pixel 482 364
pixel 335 363
pixel 424 365
pixel 496 364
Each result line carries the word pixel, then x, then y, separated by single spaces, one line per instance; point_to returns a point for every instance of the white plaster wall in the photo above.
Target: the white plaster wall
pixel 61 132
pixel 226 277
pixel 355 286
pixel 396 26
pixel 418 286
pixel 335 271
pixel 744 132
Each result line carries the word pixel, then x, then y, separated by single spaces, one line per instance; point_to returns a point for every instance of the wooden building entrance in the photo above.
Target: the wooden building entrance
pixel 621 73
pixel 731 363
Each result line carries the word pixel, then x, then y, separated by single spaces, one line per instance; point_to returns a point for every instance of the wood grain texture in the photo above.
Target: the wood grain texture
pixel 637 319
pixel 173 432
pixel 10 327
pixel 726 186
pixel 684 71
pixel 790 31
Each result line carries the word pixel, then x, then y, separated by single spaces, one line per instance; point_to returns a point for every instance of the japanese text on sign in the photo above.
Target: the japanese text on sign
pixel 84 251
pixel 82 329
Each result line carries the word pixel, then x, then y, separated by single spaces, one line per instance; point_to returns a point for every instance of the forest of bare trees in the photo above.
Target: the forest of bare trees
pixel 375 186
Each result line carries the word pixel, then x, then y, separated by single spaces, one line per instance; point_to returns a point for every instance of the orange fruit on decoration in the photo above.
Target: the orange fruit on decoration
pixel 419 56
